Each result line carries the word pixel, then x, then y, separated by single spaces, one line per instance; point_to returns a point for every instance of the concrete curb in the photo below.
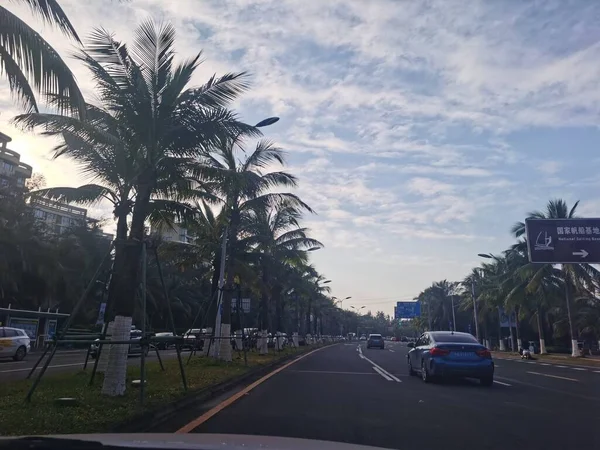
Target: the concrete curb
pixel 155 417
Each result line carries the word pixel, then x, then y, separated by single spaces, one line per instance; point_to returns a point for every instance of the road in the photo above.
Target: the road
pixel 366 397
pixel 63 361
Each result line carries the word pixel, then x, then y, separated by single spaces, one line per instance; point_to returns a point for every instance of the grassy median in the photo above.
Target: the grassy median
pixel 97 413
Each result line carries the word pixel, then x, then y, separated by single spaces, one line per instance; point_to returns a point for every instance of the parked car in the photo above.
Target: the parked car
pixel 440 354
pixel 14 343
pixel 375 340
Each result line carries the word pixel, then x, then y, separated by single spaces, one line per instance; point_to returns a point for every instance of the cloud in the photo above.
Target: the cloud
pixel 404 121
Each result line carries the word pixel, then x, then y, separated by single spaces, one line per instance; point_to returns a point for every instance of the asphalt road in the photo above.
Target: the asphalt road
pixel 366 397
pixel 63 361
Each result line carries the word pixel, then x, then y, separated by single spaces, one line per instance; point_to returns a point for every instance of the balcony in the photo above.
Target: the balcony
pixel 9 156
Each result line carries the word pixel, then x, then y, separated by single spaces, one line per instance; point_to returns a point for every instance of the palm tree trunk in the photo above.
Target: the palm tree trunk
pixel 211 312
pixel 541 333
pixel 264 312
pixel 519 343
pixel 574 346
pixel 121 294
pixel 225 351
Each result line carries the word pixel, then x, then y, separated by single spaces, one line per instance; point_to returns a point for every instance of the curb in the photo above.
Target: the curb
pixel 155 417
pixel 569 361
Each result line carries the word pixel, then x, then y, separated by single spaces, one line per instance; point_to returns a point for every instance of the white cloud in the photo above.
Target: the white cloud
pixel 399 117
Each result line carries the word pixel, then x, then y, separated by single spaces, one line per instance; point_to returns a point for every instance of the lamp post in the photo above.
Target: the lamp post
pixel 359 315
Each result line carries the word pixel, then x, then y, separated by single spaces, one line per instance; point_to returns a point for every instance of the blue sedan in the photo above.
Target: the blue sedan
pixel 439 354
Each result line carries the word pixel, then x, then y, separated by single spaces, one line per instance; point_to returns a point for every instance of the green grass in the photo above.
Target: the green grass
pixel 98 413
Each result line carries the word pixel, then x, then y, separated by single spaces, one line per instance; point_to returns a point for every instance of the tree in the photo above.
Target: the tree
pixel 241 187
pixel 154 128
pixel 29 62
pixel 577 279
pixel 278 242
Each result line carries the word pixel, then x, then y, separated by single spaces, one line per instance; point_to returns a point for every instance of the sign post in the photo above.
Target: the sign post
pixel 563 241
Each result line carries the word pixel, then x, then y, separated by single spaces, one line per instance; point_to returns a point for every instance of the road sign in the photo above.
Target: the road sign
pixel 407 310
pixel 556 241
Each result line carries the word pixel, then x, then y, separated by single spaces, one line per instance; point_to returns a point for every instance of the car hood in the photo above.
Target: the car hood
pixel 211 442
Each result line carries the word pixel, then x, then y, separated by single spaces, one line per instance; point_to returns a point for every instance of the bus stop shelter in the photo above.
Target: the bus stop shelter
pixel 39 325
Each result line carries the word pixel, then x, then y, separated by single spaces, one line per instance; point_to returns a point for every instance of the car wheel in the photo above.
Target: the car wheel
pixel 411 371
pixel 424 374
pixel 20 353
pixel 487 381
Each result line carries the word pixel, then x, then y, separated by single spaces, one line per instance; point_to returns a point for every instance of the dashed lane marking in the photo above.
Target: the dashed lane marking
pixel 553 376
pixel 501 383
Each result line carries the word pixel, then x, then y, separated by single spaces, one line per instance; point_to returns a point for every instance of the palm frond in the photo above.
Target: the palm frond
pixel 39 63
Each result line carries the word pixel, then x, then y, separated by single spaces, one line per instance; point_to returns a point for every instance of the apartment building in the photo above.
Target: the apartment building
pixel 176 233
pixel 13 172
pixel 57 217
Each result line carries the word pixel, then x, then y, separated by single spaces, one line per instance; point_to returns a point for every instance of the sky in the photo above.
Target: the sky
pixel 420 131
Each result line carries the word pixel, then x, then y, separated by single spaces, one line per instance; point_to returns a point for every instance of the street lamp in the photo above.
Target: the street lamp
pixel 266 122
pixel 218 319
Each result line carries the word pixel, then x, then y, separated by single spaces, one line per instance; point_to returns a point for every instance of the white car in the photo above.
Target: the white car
pixel 14 343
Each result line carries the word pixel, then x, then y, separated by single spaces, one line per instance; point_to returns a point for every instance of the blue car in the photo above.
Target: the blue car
pixel 441 354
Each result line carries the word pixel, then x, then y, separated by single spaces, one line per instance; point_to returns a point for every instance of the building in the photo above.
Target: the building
pixel 13 172
pixel 57 217
pixel 174 233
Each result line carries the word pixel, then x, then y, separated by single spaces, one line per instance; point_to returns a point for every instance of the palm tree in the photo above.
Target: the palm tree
pixel 242 186
pixel 576 278
pixel 163 127
pixel 276 238
pixel 29 62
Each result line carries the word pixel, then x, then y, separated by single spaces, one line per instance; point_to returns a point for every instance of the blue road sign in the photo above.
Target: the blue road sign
pixel 557 241
pixel 407 310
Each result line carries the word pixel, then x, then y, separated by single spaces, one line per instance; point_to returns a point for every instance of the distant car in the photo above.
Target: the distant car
pixel 134 348
pixel 375 340
pixel 14 343
pixel 441 354
pixel 164 345
pixel 363 338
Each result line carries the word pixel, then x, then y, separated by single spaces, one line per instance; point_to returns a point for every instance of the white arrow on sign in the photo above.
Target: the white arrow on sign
pixel 582 253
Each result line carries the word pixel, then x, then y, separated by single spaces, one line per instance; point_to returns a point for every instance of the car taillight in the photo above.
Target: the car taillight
pixel 484 353
pixel 438 351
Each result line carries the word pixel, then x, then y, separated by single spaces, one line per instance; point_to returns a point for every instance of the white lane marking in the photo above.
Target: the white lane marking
pixel 596 371
pixel 332 372
pixel 396 379
pixel 544 364
pixel 503 384
pixel 553 376
pixel 392 350
pixel 381 373
pixel 561 367
pixel 578 368
pixel 40 366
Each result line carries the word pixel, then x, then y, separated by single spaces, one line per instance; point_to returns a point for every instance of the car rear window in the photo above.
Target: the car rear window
pixel 375 336
pixel 455 338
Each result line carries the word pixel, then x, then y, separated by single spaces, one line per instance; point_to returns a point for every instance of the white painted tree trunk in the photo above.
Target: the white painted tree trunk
pixel 296 343
pixel 543 346
pixel 574 348
pixel 225 353
pixel 263 347
pixel 103 363
pixel 115 380
pixel 238 340
pixel 486 342
pixel 519 343
pixel 278 341
pixel 206 341
pixel 502 346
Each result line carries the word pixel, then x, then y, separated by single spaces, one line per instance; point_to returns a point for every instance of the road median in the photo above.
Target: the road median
pixel 553 359
pixel 93 412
